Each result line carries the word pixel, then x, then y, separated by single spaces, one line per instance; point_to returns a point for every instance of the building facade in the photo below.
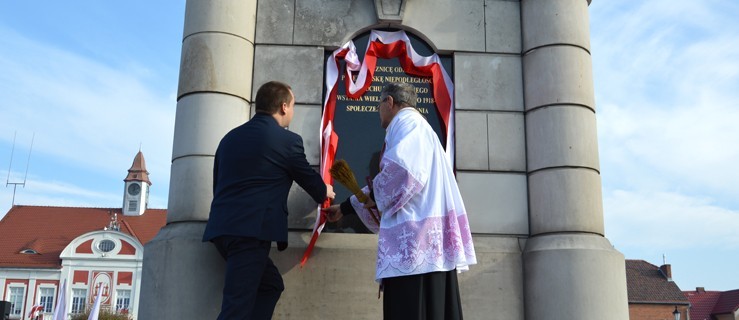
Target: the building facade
pixel 82 250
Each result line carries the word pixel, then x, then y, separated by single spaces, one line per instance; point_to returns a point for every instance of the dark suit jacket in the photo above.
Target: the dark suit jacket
pixel 254 167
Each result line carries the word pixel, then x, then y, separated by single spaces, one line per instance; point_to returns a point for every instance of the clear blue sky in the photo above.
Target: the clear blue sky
pixel 94 80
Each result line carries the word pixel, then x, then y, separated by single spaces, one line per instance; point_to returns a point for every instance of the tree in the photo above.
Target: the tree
pixel 105 314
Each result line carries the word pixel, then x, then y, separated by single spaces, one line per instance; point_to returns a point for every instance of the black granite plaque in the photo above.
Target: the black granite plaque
pixel 357 121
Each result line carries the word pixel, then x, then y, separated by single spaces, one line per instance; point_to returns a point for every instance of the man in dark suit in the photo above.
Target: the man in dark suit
pixel 255 165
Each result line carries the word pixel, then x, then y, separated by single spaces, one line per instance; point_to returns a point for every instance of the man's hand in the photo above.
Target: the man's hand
pixel 333 213
pixel 330 192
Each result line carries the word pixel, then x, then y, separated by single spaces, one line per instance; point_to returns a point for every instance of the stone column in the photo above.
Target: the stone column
pixel 571 270
pixel 180 273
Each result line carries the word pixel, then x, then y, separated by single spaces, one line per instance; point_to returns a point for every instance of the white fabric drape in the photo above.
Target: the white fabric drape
pixel 61 302
pixel 424 226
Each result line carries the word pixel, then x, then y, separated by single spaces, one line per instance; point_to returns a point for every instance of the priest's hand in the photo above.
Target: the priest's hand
pixel 375 214
pixel 333 213
pixel 370 204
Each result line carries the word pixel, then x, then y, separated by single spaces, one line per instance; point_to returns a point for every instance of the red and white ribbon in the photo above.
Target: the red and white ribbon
pixel 381 45
pixel 35 311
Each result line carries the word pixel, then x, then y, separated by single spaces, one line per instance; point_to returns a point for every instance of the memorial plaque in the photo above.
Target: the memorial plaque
pixel 357 121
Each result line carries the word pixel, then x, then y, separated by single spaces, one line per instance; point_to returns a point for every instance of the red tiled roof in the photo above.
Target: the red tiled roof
pixel 48 230
pixel 138 172
pixel 702 303
pixel 727 303
pixel 647 284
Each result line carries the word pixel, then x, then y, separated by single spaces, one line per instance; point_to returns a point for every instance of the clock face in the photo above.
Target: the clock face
pixel 134 189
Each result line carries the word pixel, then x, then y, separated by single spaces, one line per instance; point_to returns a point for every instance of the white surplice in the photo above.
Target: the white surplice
pixel 424 225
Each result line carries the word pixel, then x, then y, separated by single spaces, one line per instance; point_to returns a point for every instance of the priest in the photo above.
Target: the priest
pixel 416 208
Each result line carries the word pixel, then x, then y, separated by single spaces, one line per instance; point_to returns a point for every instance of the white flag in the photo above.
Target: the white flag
pixel 96 308
pixel 61 302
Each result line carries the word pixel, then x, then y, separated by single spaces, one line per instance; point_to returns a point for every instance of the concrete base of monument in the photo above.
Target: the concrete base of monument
pixel 338 280
pixel 574 276
pixel 183 277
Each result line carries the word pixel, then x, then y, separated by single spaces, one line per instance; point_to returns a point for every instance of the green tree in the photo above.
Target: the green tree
pixel 103 315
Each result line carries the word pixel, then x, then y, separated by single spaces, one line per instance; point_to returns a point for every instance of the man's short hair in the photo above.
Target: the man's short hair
pixel 402 93
pixel 271 96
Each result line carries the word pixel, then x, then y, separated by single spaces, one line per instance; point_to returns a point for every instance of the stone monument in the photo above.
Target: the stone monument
pixel 525 144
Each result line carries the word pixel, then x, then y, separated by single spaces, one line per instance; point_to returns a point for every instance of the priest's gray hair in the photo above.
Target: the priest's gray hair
pixel 402 93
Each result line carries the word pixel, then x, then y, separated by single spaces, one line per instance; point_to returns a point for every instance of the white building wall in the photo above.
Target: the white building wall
pixel 112 262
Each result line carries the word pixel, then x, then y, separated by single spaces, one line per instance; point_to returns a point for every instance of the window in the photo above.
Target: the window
pixel 123 300
pixel 133 205
pixel 79 300
pixel 46 299
pixel 15 297
pixel 106 245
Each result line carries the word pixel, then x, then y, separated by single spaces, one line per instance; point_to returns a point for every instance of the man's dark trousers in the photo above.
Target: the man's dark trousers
pixel 252 283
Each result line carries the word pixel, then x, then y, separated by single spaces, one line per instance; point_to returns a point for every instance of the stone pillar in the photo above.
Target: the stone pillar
pixel 180 273
pixel 571 271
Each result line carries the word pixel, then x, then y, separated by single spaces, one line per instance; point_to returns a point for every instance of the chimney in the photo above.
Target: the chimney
pixel 700 289
pixel 666 270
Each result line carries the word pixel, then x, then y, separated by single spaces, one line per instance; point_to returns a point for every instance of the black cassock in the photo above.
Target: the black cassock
pixel 428 296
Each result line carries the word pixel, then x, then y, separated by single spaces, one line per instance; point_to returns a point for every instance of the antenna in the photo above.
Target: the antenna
pixel 16 184
pixel 12 150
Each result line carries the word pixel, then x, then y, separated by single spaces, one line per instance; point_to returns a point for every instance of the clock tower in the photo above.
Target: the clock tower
pixel 136 189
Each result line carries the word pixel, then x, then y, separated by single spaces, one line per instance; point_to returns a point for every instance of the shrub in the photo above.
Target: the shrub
pixel 103 315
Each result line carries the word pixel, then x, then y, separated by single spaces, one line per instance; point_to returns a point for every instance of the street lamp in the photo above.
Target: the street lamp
pixel 676 314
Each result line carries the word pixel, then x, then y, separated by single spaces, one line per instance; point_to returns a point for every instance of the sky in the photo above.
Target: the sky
pixel 89 84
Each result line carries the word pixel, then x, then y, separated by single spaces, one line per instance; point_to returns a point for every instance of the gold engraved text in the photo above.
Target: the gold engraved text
pixel 361 108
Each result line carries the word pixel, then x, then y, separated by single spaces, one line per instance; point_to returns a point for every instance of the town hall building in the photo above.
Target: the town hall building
pixel 44 249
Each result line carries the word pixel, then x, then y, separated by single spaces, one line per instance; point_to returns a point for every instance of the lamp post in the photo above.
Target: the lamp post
pixel 676 314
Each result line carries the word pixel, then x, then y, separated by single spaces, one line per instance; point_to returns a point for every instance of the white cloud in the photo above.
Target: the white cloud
pixel 40 192
pixel 669 221
pixel 666 79
pixel 666 49
pixel 680 146
pixel 83 111
pixel 84 114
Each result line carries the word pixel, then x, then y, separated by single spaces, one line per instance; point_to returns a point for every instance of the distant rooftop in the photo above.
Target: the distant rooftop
pixel 705 304
pixel 648 284
pixel 48 230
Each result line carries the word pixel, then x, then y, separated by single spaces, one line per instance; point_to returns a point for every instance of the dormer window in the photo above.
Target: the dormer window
pixel 106 245
pixel 29 251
